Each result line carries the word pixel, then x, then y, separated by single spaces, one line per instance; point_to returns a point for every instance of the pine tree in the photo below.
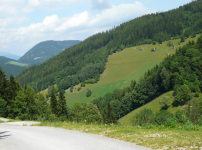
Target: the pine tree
pixel 53 103
pixel 62 106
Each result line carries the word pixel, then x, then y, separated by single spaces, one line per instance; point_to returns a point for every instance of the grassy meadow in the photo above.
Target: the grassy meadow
pixel 123 67
pixel 16 63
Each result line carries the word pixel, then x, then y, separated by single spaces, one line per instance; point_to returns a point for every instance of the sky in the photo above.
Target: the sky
pixel 25 23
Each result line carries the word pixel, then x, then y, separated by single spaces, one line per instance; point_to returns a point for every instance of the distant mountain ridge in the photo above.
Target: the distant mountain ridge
pixel 9 55
pixel 45 50
pixel 4 59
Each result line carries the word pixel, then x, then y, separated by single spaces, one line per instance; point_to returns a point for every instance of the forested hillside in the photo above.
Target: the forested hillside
pixel 71 66
pixel 181 72
pixel 9 68
pixel 4 60
pixel 45 50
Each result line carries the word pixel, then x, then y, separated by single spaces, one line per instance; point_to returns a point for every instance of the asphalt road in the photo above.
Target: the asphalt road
pixel 14 136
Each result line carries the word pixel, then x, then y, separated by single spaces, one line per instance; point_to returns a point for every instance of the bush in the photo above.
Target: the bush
pixel 171 122
pixel 164 102
pixel 144 118
pixel 180 116
pixel 153 50
pixel 154 42
pixel 88 94
pixel 79 89
pixel 169 44
pixel 162 116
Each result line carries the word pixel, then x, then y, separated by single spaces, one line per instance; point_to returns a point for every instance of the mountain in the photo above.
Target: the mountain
pixel 9 55
pixel 87 60
pixel 4 59
pixel 45 50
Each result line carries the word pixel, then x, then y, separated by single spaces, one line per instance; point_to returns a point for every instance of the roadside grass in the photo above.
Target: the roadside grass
pixel 154 137
pixel 1 121
pixel 16 63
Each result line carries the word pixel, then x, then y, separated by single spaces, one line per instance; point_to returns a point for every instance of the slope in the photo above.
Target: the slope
pixel 45 50
pixel 154 106
pixel 122 67
pixel 11 66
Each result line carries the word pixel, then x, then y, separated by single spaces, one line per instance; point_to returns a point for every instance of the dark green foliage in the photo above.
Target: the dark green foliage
pixel 53 103
pixel 181 117
pixel 144 118
pixel 79 88
pixel 110 115
pixel 62 106
pixel 92 114
pixel 77 112
pixel 72 88
pixel 154 42
pixel 88 94
pixel 162 116
pixel 3 108
pixel 183 94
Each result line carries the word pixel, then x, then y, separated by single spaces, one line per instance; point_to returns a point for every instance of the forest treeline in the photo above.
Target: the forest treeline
pixel 181 72
pixel 26 104
pixel 68 68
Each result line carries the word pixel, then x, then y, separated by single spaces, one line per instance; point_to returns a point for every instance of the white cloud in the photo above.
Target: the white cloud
pixel 119 13
pixel 74 21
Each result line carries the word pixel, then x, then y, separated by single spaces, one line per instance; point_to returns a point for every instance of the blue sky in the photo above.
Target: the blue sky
pixel 24 23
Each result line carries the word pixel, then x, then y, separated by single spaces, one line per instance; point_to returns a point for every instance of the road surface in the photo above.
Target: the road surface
pixel 14 136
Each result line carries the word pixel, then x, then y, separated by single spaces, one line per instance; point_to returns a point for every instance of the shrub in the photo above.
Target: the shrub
pixel 169 44
pixel 144 118
pixel 88 94
pixel 171 122
pixel 154 42
pixel 79 89
pixel 164 102
pixel 162 116
pixel 153 50
pixel 180 116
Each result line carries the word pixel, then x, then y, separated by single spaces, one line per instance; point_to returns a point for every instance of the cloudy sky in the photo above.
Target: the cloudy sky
pixel 24 23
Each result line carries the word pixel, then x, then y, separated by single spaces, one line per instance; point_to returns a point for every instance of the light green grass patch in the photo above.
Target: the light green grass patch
pixel 17 63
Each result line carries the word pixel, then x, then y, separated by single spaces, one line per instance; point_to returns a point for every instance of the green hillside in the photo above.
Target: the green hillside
pixel 123 67
pixel 4 60
pixel 45 50
pixel 71 66
pixel 11 66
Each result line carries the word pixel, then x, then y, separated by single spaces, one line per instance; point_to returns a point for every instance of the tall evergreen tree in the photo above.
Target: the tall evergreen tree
pixel 62 106
pixel 53 102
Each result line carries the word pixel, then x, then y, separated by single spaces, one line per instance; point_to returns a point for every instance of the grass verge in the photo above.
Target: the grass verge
pixel 154 137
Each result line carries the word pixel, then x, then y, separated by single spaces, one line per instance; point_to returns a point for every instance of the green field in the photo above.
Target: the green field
pixel 123 67
pixel 16 63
